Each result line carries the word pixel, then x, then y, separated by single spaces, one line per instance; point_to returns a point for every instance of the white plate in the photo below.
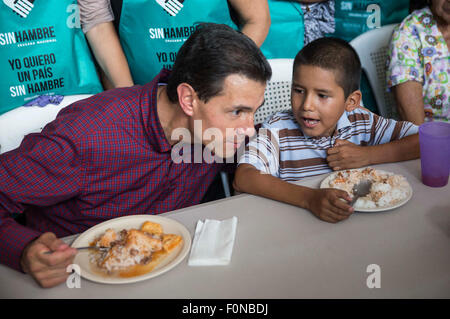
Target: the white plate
pixel 169 226
pixel 326 184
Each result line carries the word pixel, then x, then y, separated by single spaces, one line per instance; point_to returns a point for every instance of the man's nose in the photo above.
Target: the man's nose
pixel 248 129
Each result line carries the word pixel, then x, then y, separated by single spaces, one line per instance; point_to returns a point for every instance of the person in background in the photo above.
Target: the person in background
pixel 318 17
pixel 96 22
pixel 132 57
pixel 418 65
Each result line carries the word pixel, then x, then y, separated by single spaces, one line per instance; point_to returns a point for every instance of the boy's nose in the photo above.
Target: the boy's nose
pixel 308 104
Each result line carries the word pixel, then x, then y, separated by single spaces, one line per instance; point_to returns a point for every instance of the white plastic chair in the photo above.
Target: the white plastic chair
pixel 372 47
pixel 17 123
pixel 278 90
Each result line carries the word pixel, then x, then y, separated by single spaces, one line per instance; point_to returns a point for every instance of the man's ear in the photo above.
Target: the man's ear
pixel 186 96
pixel 353 100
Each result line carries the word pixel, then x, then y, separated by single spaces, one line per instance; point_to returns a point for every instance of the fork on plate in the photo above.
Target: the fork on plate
pixel 360 190
pixel 172 7
pixel 21 7
pixel 84 248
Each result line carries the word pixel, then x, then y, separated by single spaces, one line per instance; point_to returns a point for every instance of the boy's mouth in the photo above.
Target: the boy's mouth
pixel 309 122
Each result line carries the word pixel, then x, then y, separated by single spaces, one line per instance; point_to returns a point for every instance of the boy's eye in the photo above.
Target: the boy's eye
pixel 236 112
pixel 301 91
pixel 323 96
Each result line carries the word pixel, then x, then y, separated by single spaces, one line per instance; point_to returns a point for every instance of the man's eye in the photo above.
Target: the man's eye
pixel 323 96
pixel 236 112
pixel 301 91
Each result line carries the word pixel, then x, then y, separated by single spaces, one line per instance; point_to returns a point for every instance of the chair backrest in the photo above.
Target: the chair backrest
pixel 17 123
pixel 372 47
pixel 278 90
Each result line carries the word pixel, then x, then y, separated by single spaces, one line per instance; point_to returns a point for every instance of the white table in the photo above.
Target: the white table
pixel 282 251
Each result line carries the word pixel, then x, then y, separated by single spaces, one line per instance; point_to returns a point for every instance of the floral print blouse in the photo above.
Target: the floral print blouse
pixel 418 52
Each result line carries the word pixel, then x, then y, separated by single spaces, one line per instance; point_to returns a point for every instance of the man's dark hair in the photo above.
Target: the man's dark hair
pixel 209 55
pixel 335 55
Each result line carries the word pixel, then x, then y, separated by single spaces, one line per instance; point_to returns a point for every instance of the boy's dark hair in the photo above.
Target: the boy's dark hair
pixel 209 55
pixel 335 55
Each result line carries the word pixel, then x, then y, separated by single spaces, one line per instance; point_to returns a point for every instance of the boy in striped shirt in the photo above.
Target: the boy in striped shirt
pixel 325 130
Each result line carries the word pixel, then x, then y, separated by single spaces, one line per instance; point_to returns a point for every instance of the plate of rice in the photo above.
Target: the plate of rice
pixel 388 190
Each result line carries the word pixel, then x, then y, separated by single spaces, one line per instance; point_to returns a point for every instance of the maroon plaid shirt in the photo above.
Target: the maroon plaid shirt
pixel 103 157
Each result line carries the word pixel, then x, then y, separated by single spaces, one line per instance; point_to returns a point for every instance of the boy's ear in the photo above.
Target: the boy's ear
pixel 353 100
pixel 186 97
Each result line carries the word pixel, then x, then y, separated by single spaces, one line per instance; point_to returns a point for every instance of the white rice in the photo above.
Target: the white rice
pixel 387 189
pixel 365 202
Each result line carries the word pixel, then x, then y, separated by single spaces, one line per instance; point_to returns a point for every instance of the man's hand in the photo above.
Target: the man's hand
pixel 47 269
pixel 345 155
pixel 327 205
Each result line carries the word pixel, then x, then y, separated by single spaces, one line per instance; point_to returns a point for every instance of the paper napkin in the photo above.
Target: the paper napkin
pixel 213 242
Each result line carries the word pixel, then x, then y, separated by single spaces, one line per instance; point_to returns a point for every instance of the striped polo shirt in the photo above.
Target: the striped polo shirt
pixel 281 148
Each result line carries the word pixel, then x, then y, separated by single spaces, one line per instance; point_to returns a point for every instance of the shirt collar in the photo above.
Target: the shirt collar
pixel 154 128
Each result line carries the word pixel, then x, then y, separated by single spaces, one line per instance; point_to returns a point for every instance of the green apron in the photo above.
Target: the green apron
pixel 151 37
pixel 44 52
pixel 286 33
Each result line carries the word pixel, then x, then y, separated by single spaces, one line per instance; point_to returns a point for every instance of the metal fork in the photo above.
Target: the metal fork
pixel 360 190
pixel 21 7
pixel 172 7
pixel 83 248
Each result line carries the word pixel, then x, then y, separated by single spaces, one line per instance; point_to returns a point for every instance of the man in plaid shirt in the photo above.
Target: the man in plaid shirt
pixel 112 154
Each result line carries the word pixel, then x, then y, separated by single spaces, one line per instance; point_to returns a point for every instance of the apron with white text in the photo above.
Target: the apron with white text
pixel 42 52
pixel 152 32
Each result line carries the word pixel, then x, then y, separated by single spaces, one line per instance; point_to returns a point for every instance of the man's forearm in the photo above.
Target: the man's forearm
pixel 13 240
pixel 404 149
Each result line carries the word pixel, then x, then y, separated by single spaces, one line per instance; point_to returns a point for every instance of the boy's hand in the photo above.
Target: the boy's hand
pixel 345 155
pixel 327 205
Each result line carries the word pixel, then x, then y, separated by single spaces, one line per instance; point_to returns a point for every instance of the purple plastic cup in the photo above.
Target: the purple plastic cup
pixel 434 138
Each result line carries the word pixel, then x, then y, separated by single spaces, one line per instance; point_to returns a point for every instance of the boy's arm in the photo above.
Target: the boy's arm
pixel 326 204
pixel 345 155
